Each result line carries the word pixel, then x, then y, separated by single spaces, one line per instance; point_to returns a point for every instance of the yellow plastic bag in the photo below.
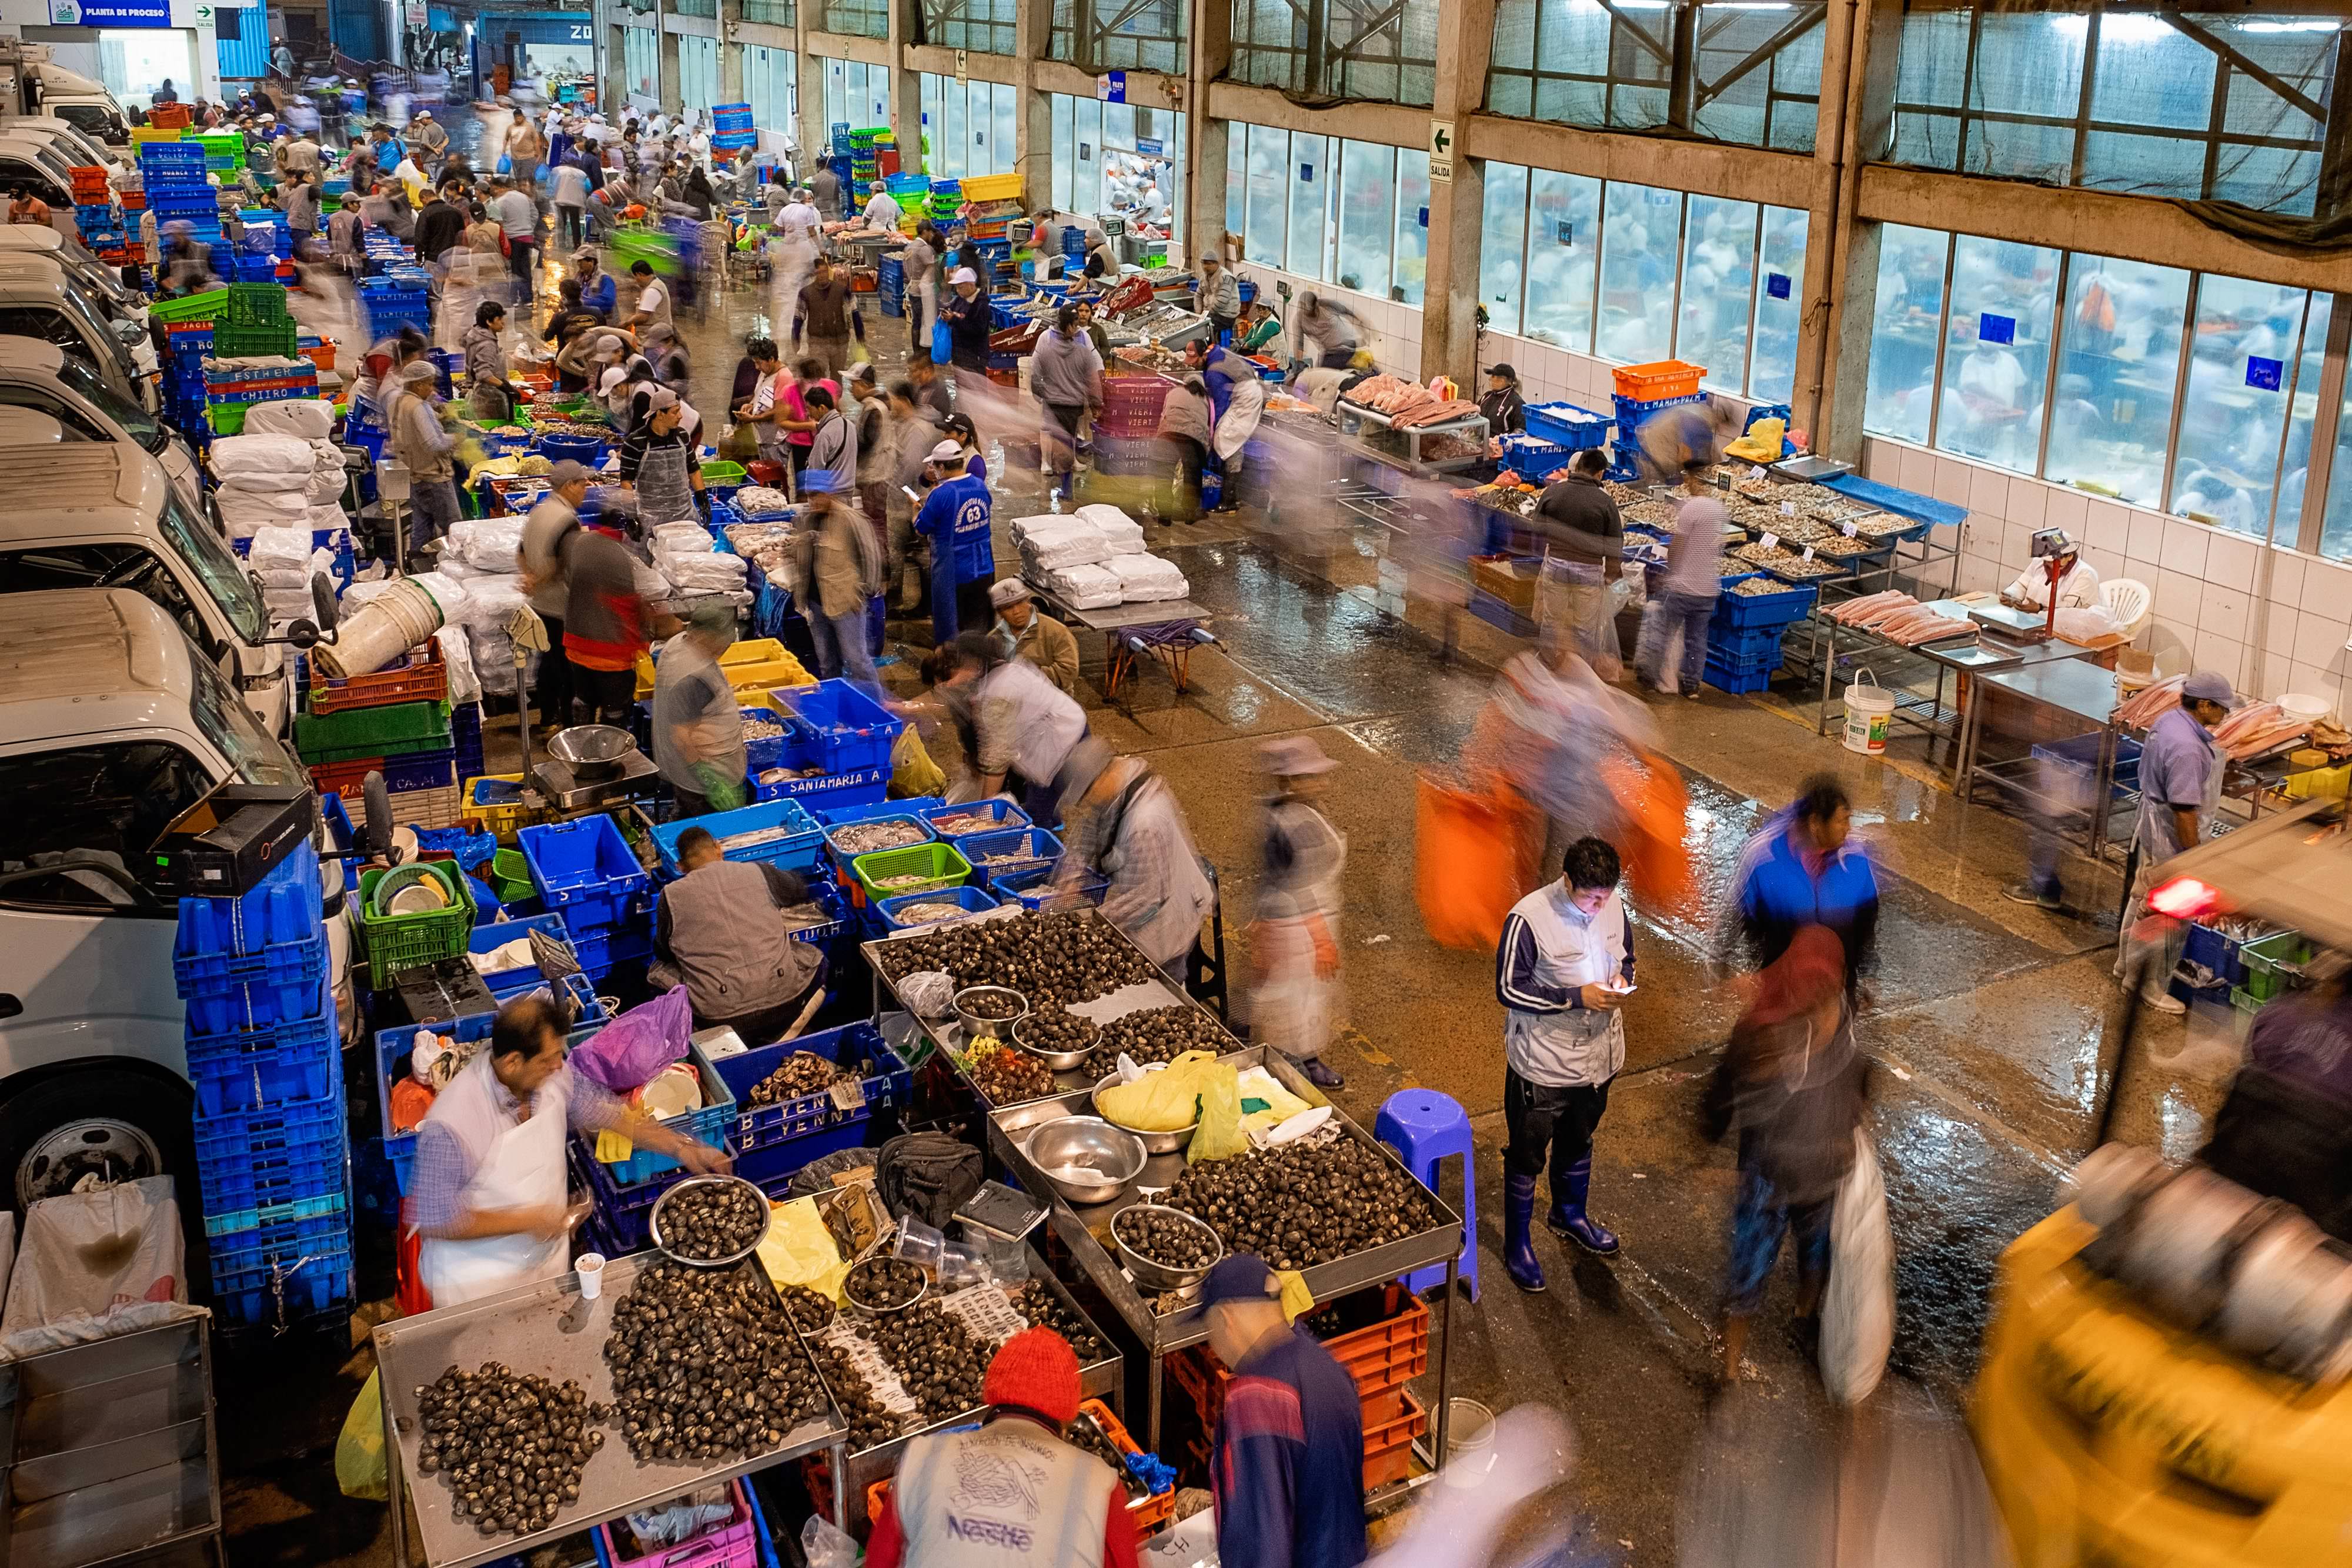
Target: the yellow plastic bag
pixel 1219 1135
pixel 799 1251
pixel 913 774
pixel 1168 1101
pixel 359 1467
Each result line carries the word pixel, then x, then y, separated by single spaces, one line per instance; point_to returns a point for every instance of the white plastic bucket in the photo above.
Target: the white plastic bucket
pixel 1868 713
pixel 1469 1443
pixel 381 631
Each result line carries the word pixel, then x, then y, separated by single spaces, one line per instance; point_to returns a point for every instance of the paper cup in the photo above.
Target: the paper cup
pixel 591 1271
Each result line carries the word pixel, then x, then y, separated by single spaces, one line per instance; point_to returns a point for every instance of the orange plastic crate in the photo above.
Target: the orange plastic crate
pixel 424 679
pixel 322 357
pixel 170 116
pixel 1381 1357
pixel 1388 1447
pixel 1152 1510
pixel 1660 379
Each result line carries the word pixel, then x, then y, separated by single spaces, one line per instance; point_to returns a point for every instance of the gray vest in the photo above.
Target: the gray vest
pixel 1007 1496
pixel 680 742
pixel 732 952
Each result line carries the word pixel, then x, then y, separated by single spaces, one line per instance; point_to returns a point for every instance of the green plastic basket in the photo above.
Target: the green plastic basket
pixel 939 865
pixel 391 943
pixel 2269 960
pixel 228 419
pixel 722 472
pixel 354 733
pixel 201 307
pixel 510 876
pixel 252 305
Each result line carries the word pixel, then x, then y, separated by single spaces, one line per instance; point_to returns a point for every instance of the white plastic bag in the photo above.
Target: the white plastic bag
pixel 824 1546
pixel 1858 1308
pixel 87 1253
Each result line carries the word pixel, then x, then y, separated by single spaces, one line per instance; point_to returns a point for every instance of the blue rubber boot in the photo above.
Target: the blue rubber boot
pixel 1518 1221
pixel 1567 1219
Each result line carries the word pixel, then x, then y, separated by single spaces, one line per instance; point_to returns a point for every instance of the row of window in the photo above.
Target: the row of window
pixel 641 61
pixel 986 24
pixel 1122 35
pixel 1383 51
pixel 697 69
pixel 772 86
pixel 968 127
pixel 2190 392
pixel 1634 273
pixel 1108 157
pixel 1352 213
pixel 856 94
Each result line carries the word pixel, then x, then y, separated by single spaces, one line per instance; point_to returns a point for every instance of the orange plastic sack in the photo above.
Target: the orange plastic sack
pixel 1657 860
pixel 1476 861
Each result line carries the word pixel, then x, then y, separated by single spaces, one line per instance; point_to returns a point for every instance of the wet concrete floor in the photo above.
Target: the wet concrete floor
pixel 1988 1025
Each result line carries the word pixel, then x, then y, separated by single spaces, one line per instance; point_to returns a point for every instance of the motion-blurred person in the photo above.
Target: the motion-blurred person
pixel 1684 599
pixel 1295 936
pixel 825 192
pixel 1505 410
pixel 1331 327
pixel 1127 825
pixel 440 225
pixel 1672 438
pixel 913 433
pixel 955 518
pixel 1562 971
pixel 2285 1130
pixel 870 411
pixel 1547 734
pixel 1584 551
pixel 932 389
pixel 1803 869
pixel 1794 1085
pixel 1025 731
pixel 717 933
pixel 1025 634
pixel 1221 298
pixel 607 622
pixel 1235 426
pixel 697 725
pixel 828 316
pixel 420 440
pixel 491 397
pixel 970 322
pixel 799 238
pixel 1010 1490
pixel 1066 375
pixel 569 180
pixel 556 514
pixel 1287 1461
pixel 841 557
pixel 921 265
pixel 2180 784
pixel 1184 427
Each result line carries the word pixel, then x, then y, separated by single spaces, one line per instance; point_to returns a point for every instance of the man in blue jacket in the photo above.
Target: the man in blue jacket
pixel 1804 870
pixel 1287 1467
pixel 954 517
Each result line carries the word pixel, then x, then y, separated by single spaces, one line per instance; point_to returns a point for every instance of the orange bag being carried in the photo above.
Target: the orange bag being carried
pixel 1477 858
pixel 1650 795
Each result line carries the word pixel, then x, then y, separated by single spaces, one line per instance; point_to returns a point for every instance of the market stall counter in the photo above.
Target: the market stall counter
pixel 546 1330
pixel 1167 629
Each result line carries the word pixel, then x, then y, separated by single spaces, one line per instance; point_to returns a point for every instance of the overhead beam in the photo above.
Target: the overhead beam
pixel 2246 64
pixel 1706 168
pixel 1708 91
pixel 849 46
pixel 1392 124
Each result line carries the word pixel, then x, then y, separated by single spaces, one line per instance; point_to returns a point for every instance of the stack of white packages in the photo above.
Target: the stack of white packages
pixel 284 558
pixel 308 420
pixel 1053 543
pixel 265 483
pixel 485 547
pixel 1147 579
pixel 484 553
pixel 1081 587
pixel 1122 532
pixel 697 568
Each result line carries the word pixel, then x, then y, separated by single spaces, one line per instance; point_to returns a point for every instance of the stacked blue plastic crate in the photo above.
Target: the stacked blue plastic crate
pixel 1631 414
pixel 731 127
pixel 399 298
pixel 172 174
pixel 585 872
pixel 264 1052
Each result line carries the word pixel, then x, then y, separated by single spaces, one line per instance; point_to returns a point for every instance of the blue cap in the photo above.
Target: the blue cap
pixel 1242 1277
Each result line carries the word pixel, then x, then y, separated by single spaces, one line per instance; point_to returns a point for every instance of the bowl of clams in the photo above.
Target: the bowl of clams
pixel 1165 1249
pixel 710 1221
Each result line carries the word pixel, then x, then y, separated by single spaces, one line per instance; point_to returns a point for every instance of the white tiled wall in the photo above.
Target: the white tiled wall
pixel 1395 330
pixel 2210 607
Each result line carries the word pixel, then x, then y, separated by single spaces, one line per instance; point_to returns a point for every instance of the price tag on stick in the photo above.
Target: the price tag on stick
pixel 1772 541
pixel 1848 529
pixel 1808 553
pixel 1787 509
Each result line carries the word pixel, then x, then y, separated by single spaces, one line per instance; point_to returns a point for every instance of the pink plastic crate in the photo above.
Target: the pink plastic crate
pixel 735 1544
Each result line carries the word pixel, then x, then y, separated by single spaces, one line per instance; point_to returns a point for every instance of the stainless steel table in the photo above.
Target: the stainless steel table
pixel 2063 684
pixel 1118 657
pixel 546 1330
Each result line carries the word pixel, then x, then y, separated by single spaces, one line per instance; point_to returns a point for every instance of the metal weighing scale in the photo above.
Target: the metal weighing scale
pixel 554 781
pixel 2010 625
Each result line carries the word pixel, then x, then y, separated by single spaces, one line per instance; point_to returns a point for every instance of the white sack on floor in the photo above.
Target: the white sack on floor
pixel 304 418
pixel 247 454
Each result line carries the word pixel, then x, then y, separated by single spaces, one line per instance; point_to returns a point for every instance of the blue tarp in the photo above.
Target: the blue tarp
pixel 1902 502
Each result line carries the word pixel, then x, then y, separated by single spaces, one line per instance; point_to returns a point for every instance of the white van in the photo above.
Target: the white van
pixel 78 149
pixel 40 298
pixel 102 515
pixel 83 103
pixel 35 374
pixel 104 283
pixel 115 725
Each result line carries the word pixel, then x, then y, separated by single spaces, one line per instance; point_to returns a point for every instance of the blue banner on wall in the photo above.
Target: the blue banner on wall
pixel 2264 373
pixel 1992 329
pixel 110 12
pixel 1776 284
pixel 537 27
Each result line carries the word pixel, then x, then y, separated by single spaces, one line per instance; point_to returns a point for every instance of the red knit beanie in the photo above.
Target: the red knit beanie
pixel 1036 1370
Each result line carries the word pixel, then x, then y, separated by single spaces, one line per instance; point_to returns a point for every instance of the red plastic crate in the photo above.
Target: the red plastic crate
pixel 1661 378
pixel 424 679
pixel 1388 1447
pixel 1381 1357
pixel 735 1544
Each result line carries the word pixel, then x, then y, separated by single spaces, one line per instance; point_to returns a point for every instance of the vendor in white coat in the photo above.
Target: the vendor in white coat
pixel 1563 970
pixel 491 1190
pixel 1026 727
pixel 2078 584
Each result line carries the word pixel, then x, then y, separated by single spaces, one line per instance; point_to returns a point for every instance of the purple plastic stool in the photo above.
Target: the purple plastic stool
pixel 1423 1127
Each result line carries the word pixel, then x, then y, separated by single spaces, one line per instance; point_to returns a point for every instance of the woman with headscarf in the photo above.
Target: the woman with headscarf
pixel 1794 1085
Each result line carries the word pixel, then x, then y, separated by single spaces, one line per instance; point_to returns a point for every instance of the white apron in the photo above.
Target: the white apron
pixel 1239 421
pixel 524 1169
pixel 1295 1010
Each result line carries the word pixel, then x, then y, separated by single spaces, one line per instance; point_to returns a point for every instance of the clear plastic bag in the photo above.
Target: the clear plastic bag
pixel 826 1545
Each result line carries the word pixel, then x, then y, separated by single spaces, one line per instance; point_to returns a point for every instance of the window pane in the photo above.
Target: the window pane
pixel 1367 216
pixel 2335 529
pixel 1309 175
pixel 2119 360
pixel 2150 74
pixel 1412 259
pixel 1086 187
pixel 1779 303
pixel 1269 195
pixel 1236 177
pixel 1904 330
pixel 2240 373
pixel 1065 148
pixel 1997 351
pixel 2297 469
pixel 1640 234
pixel 951 140
pixel 1563 241
pixel 1006 137
pixel 1718 265
pixel 1504 222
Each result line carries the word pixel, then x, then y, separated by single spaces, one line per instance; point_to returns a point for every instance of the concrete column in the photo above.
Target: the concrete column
pixel 1858 61
pixel 730 51
pixel 810 76
pixel 616 72
pixel 906 82
pixel 671 99
pixel 1449 305
pixel 1208 137
pixel 1033 116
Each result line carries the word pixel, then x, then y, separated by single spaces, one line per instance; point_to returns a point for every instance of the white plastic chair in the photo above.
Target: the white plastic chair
pixel 2129 601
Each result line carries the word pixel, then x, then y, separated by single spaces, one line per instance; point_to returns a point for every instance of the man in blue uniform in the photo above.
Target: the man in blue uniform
pixel 954 517
pixel 2180 784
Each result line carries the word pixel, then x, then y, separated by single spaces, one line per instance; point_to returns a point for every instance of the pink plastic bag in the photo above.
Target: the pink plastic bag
pixel 627 1052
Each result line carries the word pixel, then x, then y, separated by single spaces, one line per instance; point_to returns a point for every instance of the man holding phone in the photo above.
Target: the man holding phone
pixel 1564 968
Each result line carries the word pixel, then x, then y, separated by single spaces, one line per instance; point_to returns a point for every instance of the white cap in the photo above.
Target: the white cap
pixel 1007 591
pixel 613 378
pixel 946 452
pixel 963 275
pixel 422 114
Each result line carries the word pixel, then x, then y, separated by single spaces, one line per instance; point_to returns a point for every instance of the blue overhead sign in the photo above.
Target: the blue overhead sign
pixel 1112 87
pixel 110 12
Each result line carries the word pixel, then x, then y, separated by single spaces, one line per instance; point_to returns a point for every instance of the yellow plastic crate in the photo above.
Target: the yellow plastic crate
pixel 501 820
pixel 757 665
pixel 2320 783
pixel 992 187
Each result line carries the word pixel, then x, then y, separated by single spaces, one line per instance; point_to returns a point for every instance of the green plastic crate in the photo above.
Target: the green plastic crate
pixel 201 307
pixel 938 864
pixel 257 305
pixel 228 419
pixel 355 732
pixel 2269 959
pixel 510 876
pixel 391 943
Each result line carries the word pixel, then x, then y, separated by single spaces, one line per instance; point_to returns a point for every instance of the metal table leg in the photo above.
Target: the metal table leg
pixel 1829 668
pixel 1445 1354
pixel 395 1483
pixel 2103 786
pixel 1152 1381
pixel 1964 778
pixel 839 1464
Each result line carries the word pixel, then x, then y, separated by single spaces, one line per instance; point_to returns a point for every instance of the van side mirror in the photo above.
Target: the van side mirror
pixel 322 603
